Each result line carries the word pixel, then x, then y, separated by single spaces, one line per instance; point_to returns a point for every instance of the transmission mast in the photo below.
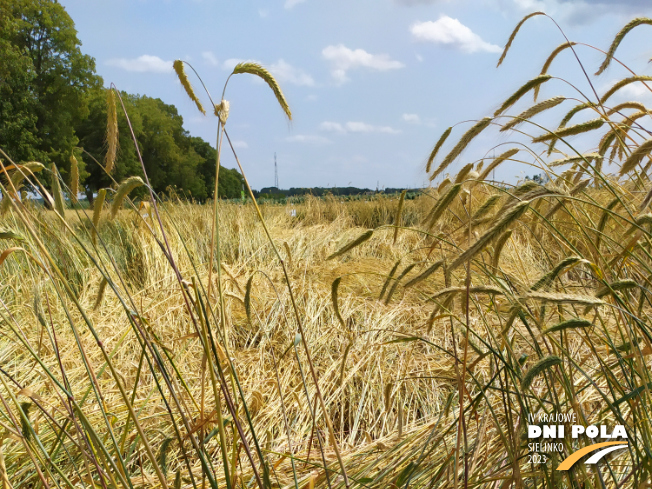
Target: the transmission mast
pixel 275 172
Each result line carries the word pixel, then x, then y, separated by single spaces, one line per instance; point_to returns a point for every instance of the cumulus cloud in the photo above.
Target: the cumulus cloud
pixel 451 32
pixel 240 144
pixel 418 2
pixel 291 3
pixel 343 59
pixel 210 58
pixel 355 126
pixel 307 139
pixel 579 11
pixel 411 118
pixel 285 72
pixel 142 64
pixel 332 127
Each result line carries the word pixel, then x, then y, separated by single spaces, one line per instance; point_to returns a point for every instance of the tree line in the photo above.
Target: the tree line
pixel 53 106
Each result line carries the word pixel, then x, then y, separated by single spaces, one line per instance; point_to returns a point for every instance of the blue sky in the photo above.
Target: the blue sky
pixel 371 83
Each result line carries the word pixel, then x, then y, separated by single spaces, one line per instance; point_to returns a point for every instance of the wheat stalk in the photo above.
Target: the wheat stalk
pixel 549 60
pixel 636 157
pixel 532 111
pixel 539 367
pixel 498 228
pixel 618 39
pixel 497 161
pixel 525 88
pixel 123 190
pixel 570 131
pixel 59 201
pixel 258 70
pixel 74 178
pixel 461 145
pixel 111 131
pixel 438 145
pixel 187 86
pixel 513 35
pixel 623 83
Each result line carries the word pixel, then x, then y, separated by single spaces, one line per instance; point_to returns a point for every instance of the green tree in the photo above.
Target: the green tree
pixel 92 138
pixel 58 74
pixel 17 102
pixel 231 182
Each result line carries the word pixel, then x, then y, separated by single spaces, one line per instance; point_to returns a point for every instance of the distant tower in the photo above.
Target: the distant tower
pixel 275 172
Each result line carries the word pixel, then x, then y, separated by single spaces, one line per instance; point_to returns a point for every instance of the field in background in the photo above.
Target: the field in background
pixel 388 342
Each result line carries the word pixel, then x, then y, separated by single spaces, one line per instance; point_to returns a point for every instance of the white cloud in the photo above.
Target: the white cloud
pixel 240 144
pixel 285 72
pixel 451 32
pixel 291 3
pixel 364 127
pixel 343 59
pixel 411 118
pixel 354 126
pixel 230 63
pixel 210 58
pixel 332 127
pixel 418 2
pixel 308 139
pixel 142 64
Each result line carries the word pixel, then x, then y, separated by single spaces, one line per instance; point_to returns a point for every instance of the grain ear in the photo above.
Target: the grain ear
pixel 266 76
pixel 185 83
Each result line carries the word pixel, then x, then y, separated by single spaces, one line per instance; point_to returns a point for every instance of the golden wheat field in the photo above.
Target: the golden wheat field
pixel 395 341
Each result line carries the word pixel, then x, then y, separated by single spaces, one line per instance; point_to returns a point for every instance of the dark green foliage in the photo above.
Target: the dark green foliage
pixel 52 101
pixel 47 76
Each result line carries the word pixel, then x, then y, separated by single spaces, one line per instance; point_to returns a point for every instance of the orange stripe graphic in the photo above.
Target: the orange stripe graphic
pixel 574 457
